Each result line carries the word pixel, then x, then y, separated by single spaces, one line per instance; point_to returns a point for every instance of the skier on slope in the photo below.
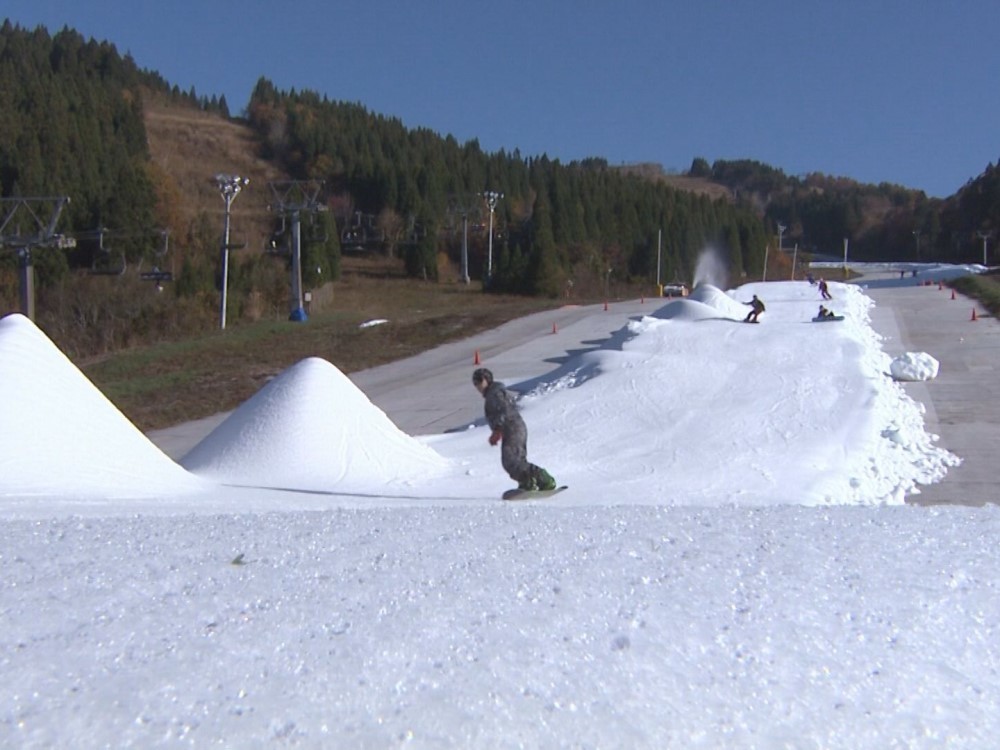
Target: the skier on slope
pixel 507 425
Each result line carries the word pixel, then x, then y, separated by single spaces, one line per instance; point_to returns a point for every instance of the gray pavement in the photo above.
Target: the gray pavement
pixel 963 401
pixel 431 392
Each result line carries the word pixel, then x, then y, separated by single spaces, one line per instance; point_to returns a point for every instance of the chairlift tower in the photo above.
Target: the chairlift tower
pixel 25 224
pixel 464 206
pixel 291 199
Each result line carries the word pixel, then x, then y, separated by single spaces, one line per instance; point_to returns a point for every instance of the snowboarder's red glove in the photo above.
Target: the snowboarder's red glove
pixel 495 437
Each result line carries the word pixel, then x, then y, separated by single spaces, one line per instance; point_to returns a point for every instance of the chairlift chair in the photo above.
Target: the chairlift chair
pixel 102 265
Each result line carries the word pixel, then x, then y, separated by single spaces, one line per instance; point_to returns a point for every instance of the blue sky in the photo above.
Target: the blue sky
pixel 879 91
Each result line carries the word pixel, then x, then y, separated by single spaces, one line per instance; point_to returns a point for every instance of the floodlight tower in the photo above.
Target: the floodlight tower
pixel 230 186
pixel 491 196
pixel 984 236
pixel 291 199
pixel 23 229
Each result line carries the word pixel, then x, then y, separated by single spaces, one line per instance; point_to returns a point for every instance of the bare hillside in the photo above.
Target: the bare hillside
pixel 699 185
pixel 188 148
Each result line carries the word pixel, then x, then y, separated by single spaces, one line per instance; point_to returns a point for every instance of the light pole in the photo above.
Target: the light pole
pixel 230 186
pixel 491 196
pixel 984 236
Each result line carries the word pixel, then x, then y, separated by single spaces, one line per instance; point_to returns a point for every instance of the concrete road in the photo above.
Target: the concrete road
pixel 963 402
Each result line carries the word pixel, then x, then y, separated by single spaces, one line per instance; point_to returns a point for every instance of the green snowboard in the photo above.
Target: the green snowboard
pixel 517 494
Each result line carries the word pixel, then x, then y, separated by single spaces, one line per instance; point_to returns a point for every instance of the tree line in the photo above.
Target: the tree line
pixel 556 223
pixel 883 222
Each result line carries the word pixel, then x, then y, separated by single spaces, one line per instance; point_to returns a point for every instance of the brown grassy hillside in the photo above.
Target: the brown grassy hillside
pixel 699 185
pixel 188 147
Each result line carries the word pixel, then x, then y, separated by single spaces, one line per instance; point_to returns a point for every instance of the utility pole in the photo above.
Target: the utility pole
pixel 230 186
pixel 491 197
pixel 23 227
pixel 291 199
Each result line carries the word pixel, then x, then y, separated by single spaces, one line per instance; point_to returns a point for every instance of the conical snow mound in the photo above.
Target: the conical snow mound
pixel 686 309
pixel 705 303
pixel 715 297
pixel 60 436
pixel 311 428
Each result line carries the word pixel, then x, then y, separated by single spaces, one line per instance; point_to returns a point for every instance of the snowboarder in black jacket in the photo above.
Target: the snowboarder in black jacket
pixel 508 426
pixel 758 308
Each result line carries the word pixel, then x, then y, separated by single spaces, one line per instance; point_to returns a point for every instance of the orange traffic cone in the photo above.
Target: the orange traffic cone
pixel 475 359
pixel 973 314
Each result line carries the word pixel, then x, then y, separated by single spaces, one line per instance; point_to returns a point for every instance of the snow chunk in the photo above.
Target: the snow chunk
pixel 913 366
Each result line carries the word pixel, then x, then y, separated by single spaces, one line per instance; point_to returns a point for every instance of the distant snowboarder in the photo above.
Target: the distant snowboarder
pixel 757 307
pixel 825 316
pixel 824 290
pixel 508 426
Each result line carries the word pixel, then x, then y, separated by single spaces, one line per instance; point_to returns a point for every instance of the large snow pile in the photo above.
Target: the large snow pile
pixel 311 428
pixel 59 435
pixel 697 409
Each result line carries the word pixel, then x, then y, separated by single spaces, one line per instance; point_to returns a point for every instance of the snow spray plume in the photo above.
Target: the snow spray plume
pixel 710 269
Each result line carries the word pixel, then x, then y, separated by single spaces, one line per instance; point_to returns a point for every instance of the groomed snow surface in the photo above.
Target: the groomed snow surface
pixel 733 565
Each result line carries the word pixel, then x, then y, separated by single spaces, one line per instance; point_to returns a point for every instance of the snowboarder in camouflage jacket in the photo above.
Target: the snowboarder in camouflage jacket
pixel 508 426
